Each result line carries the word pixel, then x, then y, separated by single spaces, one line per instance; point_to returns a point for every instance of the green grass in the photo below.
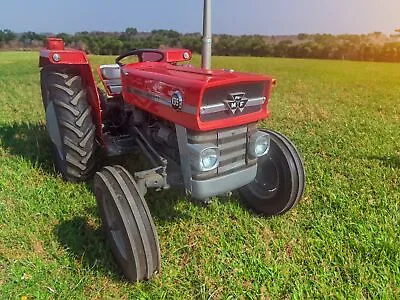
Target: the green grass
pixel 341 241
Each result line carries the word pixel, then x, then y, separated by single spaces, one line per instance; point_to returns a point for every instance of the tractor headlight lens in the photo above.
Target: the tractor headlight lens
pixel 259 144
pixel 262 145
pixel 204 157
pixel 209 159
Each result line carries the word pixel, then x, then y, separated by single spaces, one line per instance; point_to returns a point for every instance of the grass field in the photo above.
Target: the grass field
pixel 341 241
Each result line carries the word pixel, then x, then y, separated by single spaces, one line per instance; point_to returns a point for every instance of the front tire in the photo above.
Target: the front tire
pixel 280 179
pixel 69 123
pixel 127 223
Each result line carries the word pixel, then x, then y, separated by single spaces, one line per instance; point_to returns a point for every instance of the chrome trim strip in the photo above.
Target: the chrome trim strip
pixel 232 166
pixel 203 137
pixel 213 108
pixel 189 109
pixel 238 153
pixel 227 133
pixel 161 100
pixel 233 144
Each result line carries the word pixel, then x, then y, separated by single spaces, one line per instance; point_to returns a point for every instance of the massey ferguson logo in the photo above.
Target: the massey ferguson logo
pixel 236 101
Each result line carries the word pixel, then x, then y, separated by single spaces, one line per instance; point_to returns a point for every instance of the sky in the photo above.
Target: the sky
pixel 266 17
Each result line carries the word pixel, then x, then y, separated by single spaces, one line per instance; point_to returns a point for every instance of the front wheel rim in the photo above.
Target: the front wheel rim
pixel 266 183
pixel 116 232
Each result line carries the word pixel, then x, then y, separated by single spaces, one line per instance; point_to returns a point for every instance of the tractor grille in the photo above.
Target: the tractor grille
pixel 232 143
pixel 214 108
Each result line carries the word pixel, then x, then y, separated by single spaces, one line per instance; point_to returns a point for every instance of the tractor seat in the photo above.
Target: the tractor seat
pixel 110 75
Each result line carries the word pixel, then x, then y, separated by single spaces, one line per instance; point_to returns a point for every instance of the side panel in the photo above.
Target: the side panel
pixel 93 98
pixel 77 60
pixel 152 93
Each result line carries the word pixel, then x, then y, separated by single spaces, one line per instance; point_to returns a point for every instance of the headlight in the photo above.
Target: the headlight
pixel 259 144
pixel 204 157
pixel 209 159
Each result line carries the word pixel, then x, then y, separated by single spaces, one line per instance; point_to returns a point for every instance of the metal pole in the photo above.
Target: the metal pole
pixel 207 36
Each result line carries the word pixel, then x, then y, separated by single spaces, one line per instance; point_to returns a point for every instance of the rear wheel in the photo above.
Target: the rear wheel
pixel 127 223
pixel 280 179
pixel 69 123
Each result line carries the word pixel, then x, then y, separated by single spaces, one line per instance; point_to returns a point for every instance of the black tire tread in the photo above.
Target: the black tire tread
pixel 65 89
pixel 140 233
pixel 294 182
pixel 144 239
pixel 299 166
pixel 134 273
pixel 146 216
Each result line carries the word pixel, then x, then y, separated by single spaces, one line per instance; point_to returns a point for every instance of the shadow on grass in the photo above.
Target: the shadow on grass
pixel 86 243
pixel 392 161
pixel 29 141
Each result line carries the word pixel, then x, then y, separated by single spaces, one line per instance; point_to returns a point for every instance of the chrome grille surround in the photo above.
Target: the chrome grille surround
pixel 214 108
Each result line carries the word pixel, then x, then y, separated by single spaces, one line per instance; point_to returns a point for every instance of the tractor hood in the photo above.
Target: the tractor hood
pixel 195 98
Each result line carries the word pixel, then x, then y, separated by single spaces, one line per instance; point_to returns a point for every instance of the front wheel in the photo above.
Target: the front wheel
pixel 127 223
pixel 280 179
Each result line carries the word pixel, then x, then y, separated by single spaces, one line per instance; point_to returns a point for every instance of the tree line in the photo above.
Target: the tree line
pixel 370 47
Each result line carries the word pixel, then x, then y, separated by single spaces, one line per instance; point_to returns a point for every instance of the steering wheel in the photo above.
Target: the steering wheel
pixel 139 53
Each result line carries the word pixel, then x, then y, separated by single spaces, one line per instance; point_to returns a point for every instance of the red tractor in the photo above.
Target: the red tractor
pixel 197 128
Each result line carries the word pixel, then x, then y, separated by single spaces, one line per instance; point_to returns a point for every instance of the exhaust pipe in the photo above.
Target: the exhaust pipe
pixel 207 36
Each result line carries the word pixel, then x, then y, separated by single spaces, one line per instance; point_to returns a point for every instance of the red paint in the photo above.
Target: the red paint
pixel 93 97
pixel 163 79
pixel 176 55
pixel 67 57
pixel 55 44
pixel 76 60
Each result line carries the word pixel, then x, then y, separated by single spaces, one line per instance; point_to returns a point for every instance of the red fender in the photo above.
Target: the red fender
pixel 54 54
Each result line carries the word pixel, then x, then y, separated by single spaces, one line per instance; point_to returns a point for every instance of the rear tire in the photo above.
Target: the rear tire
pixel 127 223
pixel 280 179
pixel 69 124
